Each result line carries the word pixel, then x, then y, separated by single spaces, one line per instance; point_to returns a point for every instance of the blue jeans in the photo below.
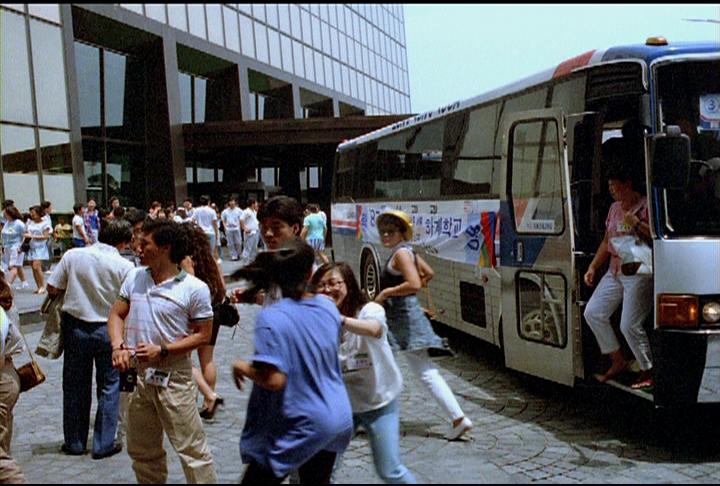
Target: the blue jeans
pixel 383 430
pixel 87 343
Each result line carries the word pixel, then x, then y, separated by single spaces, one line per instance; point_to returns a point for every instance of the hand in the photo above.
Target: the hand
pixel 238 373
pixel 630 220
pixel 380 298
pixel 148 352
pixel 589 277
pixel 121 359
pixel 237 296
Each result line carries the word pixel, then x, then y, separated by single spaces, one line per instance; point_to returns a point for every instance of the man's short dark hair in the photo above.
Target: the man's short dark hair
pixel 167 232
pixel 204 200
pixel 118 212
pixel 135 216
pixel 77 207
pixel 115 231
pixel 285 208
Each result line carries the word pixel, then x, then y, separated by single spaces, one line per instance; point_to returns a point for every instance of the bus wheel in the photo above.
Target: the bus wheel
pixel 370 276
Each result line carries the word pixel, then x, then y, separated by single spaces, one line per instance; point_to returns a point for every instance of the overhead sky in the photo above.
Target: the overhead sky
pixel 458 51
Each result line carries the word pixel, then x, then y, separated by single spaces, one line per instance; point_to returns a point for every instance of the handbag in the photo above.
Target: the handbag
pixel 225 313
pixel 430 312
pixel 634 253
pixel 31 375
pixel 25 245
pixel 51 342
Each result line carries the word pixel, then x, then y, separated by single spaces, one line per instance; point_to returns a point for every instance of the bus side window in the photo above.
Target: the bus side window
pixel 469 163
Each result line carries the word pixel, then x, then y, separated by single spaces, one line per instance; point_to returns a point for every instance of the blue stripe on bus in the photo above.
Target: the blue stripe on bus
pixel 532 244
pixel 344 231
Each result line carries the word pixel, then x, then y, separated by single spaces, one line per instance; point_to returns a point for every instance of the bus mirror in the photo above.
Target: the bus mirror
pixel 670 158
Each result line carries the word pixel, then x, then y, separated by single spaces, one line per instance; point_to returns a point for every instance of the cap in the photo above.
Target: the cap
pixel 402 218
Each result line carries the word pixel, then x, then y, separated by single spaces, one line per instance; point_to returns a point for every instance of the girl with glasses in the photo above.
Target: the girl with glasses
pixel 372 377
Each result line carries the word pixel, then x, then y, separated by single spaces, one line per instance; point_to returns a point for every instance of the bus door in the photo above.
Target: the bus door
pixel 536 242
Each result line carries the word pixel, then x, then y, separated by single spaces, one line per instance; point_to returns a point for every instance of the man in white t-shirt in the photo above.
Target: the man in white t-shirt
pixel 80 236
pixel 231 219
pixel 91 277
pixel 206 217
pixel 251 231
pixel 161 315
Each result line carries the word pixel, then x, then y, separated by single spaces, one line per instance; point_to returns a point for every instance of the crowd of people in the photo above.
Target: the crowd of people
pixel 139 289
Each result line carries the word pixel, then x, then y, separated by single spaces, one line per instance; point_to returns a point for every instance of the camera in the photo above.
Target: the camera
pixel 128 380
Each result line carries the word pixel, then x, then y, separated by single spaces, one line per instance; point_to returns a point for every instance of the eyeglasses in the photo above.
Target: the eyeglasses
pixel 330 285
pixel 388 231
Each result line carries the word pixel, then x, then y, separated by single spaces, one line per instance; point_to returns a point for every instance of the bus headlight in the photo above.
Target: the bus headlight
pixel 711 312
pixel 677 311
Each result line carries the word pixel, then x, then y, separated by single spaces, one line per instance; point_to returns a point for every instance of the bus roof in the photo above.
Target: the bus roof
pixel 646 53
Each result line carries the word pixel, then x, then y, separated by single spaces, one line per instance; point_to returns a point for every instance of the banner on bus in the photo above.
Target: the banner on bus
pixel 462 231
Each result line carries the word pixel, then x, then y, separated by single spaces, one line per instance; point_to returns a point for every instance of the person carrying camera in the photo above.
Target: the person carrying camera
pixel 162 314
pixel 91 277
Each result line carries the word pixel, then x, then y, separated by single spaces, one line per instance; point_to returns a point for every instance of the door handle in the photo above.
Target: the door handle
pixel 520 251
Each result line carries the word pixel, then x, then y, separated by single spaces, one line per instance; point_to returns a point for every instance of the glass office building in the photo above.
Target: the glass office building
pixel 95 97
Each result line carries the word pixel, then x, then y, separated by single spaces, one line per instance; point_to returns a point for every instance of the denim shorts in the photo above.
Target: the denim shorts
pixel 409 328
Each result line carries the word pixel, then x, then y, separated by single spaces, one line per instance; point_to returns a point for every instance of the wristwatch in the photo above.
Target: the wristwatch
pixel 163 350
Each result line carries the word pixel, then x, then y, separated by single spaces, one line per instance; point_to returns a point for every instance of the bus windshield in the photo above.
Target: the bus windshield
pixel 688 96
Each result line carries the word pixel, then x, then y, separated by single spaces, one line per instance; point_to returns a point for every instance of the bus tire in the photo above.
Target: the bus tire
pixel 370 276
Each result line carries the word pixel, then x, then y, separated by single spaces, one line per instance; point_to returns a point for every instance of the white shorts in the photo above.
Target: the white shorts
pixel 318 244
pixel 14 257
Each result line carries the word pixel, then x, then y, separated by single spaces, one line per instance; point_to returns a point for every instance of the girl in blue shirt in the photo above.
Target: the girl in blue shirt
pixel 299 414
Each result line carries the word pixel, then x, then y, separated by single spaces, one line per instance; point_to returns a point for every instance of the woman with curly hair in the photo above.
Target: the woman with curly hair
pixel 201 263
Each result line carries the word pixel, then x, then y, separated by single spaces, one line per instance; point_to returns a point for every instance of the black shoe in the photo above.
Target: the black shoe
pixel 65 449
pixel 111 452
pixel 209 412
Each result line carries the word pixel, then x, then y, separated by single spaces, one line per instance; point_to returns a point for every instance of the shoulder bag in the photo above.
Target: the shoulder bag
pixel 225 313
pixel 635 254
pixel 31 375
pixel 51 342
pixel 25 245
pixel 426 274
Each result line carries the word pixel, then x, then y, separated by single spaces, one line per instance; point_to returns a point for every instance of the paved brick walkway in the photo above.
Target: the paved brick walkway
pixel 525 430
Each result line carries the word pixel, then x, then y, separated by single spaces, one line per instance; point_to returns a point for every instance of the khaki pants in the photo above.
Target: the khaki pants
pixel 153 410
pixel 10 472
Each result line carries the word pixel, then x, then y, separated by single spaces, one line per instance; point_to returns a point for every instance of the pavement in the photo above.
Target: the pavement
pixel 524 431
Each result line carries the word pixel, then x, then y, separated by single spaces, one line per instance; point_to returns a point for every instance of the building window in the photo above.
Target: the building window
pixel 112 122
pixel 34 111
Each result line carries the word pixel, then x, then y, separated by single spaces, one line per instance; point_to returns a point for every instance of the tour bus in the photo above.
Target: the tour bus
pixel 508 196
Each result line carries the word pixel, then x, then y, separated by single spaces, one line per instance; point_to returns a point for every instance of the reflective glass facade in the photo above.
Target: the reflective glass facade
pixel 93 95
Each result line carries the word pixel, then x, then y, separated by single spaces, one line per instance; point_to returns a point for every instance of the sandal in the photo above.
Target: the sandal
pixel 645 380
pixel 640 384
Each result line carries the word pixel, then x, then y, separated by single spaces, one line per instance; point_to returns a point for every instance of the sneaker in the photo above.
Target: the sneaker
pixel 24 285
pixel 456 432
